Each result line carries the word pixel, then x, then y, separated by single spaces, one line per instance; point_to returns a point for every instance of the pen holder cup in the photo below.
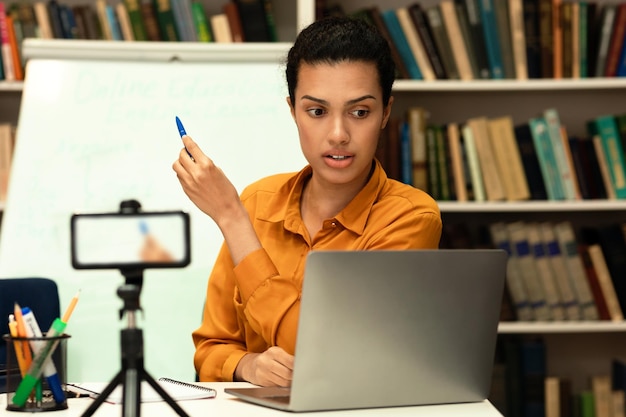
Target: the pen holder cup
pixel 49 385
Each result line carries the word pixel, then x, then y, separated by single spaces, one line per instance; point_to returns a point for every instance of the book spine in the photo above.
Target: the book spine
pixel 569 247
pixel 271 22
pixel 374 16
pixel 165 20
pixel 203 29
pixel 553 123
pixel 5 46
pixel 434 181
pixel 15 49
pixel 612 241
pixel 546 34
pixel 477 33
pixel 606 128
pixel 68 23
pixel 566 40
pixel 473 163
pixel 458 47
pixel 442 41
pixel 116 31
pixel 528 154
pixel 557 261
pixel 55 19
pixel 557 39
pixel 606 284
pixel 606 26
pixel 416 45
pixel 575 40
pixel 514 280
pixel 221 28
pixel 253 20
pixel 518 39
pixel 603 165
pixel 423 29
pixel 416 117
pixel 521 251
pixel 397 36
pixel 503 28
pixel 406 165
pixel 492 39
pixel 442 165
pixel 468 40
pixel 494 188
pixel 234 21
pixel 456 156
pixel 43 20
pixel 134 14
pixel 547 159
pixel 124 22
pixel 532 37
pixel 616 41
pixel 501 134
pixel 583 38
pixel 545 272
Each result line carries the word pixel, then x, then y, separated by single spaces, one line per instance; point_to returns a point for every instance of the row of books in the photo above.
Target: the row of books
pixel 554 272
pixel 7 143
pixel 491 159
pixel 129 20
pixel 522 386
pixel 504 39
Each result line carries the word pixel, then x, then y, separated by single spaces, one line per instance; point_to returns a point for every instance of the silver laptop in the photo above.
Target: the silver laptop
pixel 393 328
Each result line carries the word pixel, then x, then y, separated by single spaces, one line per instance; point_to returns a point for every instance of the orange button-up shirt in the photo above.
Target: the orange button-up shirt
pixel 255 304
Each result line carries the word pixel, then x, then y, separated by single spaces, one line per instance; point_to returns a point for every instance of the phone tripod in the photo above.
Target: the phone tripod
pixel 133 371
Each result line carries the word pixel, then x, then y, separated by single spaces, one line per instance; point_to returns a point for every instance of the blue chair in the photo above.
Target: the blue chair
pixel 40 294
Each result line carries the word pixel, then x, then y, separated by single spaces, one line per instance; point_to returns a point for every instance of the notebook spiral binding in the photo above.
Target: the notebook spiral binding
pixel 186 384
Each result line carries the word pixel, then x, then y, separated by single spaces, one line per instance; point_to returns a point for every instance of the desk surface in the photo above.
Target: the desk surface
pixel 225 404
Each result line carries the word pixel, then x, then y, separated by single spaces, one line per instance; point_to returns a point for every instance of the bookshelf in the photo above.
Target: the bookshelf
pixel 575 349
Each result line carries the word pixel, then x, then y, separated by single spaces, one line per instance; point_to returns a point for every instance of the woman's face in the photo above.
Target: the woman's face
pixel 339 114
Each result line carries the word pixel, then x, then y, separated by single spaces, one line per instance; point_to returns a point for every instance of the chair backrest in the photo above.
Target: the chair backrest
pixel 40 294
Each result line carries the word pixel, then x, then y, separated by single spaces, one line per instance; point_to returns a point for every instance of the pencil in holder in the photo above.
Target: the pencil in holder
pixel 36 373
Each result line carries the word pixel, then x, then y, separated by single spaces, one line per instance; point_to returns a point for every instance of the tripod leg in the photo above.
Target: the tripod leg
pixel 104 395
pixel 168 399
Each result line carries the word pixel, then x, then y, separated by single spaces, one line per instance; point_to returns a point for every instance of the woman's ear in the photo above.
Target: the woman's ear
pixel 291 108
pixel 386 113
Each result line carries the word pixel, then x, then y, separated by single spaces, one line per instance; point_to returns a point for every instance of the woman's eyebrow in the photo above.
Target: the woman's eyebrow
pixel 317 100
pixel 349 102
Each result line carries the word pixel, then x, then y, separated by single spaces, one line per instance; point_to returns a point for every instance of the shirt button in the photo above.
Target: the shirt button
pixel 333 224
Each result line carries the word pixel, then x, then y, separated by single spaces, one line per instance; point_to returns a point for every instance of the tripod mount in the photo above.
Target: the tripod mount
pixel 132 372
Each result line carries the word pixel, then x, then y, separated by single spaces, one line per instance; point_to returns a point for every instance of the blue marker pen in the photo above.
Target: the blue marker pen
pixel 143 227
pixel 181 130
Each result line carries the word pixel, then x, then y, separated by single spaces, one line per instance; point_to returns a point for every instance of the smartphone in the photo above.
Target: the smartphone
pixel 130 240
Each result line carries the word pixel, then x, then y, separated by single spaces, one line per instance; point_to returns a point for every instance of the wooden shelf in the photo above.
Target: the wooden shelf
pixel 532 206
pixel 7 86
pixel 561 327
pixel 544 84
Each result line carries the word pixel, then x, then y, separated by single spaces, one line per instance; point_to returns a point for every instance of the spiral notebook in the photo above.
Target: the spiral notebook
pixel 178 390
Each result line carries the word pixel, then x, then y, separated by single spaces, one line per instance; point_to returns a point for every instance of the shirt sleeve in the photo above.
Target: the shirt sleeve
pixel 254 289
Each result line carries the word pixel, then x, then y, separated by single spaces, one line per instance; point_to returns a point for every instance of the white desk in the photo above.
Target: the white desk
pixel 227 405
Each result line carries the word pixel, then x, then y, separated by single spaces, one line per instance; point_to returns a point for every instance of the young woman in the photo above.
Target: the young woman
pixel 339 75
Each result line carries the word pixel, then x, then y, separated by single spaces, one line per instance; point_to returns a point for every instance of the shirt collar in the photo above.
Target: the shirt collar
pixel 353 217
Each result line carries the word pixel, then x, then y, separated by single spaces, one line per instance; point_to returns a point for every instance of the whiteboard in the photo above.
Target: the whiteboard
pixel 93 132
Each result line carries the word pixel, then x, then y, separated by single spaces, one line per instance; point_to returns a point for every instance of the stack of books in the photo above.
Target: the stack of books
pixel 503 39
pixel 491 159
pixel 555 272
pixel 128 20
